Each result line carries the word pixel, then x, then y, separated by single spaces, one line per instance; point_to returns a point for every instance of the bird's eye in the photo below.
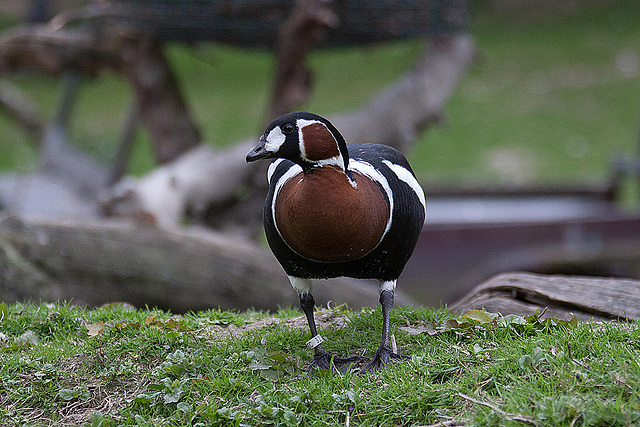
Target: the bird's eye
pixel 288 128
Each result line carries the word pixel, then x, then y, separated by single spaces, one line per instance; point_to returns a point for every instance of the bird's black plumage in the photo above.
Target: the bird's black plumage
pixel 365 194
pixel 387 260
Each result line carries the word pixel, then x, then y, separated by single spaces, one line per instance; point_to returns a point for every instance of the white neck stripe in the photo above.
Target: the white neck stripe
pixel 336 160
pixel 272 169
pixel 369 171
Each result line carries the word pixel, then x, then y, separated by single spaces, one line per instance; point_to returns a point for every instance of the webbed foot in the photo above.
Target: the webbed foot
pixel 329 361
pixel 382 357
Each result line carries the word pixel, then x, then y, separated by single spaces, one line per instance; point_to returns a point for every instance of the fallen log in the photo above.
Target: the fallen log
pixel 594 298
pixel 95 262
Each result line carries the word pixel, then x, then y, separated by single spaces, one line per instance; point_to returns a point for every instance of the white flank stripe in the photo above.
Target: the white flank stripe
pixel 409 179
pixel 371 172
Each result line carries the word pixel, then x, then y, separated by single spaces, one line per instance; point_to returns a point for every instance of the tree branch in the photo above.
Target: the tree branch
pixel 89 50
pixel 208 178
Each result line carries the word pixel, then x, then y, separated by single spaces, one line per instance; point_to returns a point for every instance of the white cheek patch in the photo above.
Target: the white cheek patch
pixel 274 140
pixel 408 178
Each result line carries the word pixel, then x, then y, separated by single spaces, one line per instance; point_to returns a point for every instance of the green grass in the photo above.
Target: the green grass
pixel 63 365
pixel 546 101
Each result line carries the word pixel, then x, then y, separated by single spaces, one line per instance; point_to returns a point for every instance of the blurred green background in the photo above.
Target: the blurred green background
pixel 555 94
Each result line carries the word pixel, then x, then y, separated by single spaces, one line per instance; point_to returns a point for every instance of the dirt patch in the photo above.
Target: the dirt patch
pixel 324 318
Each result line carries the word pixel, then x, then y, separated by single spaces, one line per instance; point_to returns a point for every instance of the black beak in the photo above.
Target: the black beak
pixel 258 152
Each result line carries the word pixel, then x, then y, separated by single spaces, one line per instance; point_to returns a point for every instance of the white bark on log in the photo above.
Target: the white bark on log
pixel 201 177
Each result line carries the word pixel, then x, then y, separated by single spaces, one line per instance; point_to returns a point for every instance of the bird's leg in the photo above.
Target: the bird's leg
pixel 384 352
pixel 322 359
pixel 308 305
pixel 386 300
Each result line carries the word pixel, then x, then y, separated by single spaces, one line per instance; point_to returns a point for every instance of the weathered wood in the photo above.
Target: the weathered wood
pixel 587 297
pixel 198 179
pixel 187 269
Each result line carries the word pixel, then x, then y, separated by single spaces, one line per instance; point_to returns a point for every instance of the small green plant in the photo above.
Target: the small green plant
pixel 78 392
pixel 270 365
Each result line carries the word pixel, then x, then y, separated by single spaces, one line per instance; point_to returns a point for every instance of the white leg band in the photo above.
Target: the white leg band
pixel 315 341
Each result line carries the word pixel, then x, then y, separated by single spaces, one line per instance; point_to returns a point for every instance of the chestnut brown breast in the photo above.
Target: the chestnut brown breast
pixel 321 216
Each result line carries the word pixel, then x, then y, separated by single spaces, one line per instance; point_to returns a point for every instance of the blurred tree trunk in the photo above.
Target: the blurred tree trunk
pixel 296 37
pixel 160 103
